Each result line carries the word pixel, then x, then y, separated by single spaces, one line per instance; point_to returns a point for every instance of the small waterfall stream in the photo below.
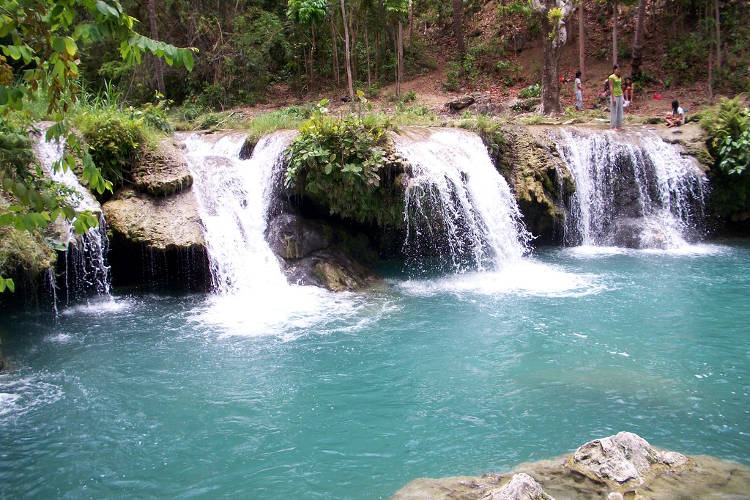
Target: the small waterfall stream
pixel 458 208
pixel 86 270
pixel 632 189
pixel 233 197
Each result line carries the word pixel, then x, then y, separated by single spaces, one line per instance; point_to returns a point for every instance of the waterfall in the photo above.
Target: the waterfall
pixel 85 259
pixel 632 189
pixel 233 198
pixel 457 207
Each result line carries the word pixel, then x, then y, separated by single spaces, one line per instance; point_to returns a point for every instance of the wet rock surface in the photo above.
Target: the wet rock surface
pixel 158 223
pixel 623 466
pixel 320 253
pixel 157 241
pixel 539 179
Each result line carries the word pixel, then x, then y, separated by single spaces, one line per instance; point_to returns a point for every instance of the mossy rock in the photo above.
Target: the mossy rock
pixel 161 172
pixel 538 177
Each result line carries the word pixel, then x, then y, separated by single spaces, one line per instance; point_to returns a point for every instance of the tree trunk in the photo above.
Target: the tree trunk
pixel 335 48
pixel 614 31
pixel 635 66
pixel 458 25
pixel 710 63
pixel 581 39
pixel 158 67
pixel 367 50
pixel 550 79
pixel 718 34
pixel 400 76
pixel 347 54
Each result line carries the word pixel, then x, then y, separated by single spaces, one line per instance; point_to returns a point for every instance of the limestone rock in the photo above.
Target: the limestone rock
pixel 158 223
pixel 539 179
pixel 460 103
pixel 161 172
pixel 626 456
pixel 520 487
pixel 318 253
pixel 691 137
pixel 623 457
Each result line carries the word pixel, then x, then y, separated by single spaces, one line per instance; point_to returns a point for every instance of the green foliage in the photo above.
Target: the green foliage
pixel 155 116
pixel 531 91
pixel 509 71
pixel 339 162
pixel 44 38
pixel 113 138
pixel 307 11
pixel 728 126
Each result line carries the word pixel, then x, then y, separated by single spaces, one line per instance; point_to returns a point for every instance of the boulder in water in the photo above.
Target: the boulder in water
pixel 520 487
pixel 624 457
pixel 313 252
pixel 620 466
pixel 161 172
pixel 157 240
pixel 539 179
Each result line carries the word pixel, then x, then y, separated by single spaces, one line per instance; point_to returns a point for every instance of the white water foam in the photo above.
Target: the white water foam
pixel 457 206
pixel 524 278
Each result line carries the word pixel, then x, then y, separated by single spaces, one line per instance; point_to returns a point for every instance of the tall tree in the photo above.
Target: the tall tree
pixel 615 10
pixel 718 34
pixel 553 14
pixel 458 25
pixel 397 11
pixel 581 37
pixel 158 66
pixel 635 65
pixel 347 53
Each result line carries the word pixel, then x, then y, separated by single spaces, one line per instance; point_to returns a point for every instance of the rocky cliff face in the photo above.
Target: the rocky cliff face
pixel 539 179
pixel 157 236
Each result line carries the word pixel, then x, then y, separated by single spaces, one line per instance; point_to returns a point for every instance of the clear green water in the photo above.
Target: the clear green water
pixel 358 394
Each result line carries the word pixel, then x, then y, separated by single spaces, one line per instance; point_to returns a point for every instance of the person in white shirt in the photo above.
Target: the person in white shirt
pixel 579 92
pixel 677 116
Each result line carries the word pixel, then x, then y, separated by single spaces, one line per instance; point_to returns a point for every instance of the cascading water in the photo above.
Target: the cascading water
pixel 233 197
pixel 632 189
pixel 458 208
pixel 85 269
pixel 251 293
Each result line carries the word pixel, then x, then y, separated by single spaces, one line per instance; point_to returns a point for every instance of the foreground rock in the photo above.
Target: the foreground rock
pixel 620 466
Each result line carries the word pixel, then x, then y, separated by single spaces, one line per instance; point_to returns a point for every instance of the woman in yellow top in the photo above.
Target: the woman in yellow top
pixel 615 84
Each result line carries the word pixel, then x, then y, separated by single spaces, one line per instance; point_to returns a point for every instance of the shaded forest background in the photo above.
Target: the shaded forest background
pixel 250 51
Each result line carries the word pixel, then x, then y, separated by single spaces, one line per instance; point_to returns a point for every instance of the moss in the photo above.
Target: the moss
pixel 24 255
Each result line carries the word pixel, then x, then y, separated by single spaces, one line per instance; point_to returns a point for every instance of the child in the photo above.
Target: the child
pixel 677 116
pixel 627 91
pixel 604 94
pixel 579 92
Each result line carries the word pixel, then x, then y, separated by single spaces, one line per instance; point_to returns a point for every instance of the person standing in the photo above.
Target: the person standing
pixel 615 108
pixel 579 92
